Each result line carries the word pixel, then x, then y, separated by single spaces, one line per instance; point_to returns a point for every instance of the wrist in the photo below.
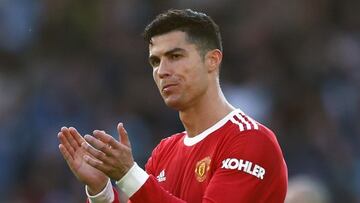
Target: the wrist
pixel 132 180
pixel 105 195
pixel 124 172
pixel 96 188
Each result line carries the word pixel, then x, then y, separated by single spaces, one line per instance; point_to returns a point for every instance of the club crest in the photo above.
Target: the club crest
pixel 202 168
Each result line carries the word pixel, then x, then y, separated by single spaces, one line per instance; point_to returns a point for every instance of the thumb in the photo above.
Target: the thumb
pixel 123 135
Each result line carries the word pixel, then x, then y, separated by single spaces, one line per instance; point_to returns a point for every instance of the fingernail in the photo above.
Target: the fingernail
pixel 87 137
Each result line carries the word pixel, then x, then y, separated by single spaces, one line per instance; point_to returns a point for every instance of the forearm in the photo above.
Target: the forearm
pixel 152 192
pixel 140 187
pixel 107 195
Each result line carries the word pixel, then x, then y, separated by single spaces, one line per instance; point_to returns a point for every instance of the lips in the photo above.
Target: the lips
pixel 168 86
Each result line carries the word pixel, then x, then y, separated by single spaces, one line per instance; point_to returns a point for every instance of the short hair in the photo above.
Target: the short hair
pixel 199 27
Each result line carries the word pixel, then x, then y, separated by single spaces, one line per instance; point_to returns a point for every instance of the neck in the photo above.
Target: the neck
pixel 205 113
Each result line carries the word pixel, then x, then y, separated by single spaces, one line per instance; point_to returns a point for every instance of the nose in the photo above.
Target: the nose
pixel 164 69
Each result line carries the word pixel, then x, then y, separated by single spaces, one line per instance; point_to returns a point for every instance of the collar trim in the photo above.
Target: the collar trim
pixel 190 141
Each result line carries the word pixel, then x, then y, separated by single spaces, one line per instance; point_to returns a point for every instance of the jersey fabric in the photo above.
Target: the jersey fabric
pixel 235 160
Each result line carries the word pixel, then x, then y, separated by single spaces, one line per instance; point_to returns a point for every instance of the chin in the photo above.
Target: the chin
pixel 174 103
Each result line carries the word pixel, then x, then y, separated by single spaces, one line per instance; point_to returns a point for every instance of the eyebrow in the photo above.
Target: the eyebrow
pixel 167 53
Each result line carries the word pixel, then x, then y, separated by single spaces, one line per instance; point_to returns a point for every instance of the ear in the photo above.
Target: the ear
pixel 213 59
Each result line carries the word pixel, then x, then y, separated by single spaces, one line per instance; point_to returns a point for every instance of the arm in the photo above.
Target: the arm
pixel 261 176
pixel 140 187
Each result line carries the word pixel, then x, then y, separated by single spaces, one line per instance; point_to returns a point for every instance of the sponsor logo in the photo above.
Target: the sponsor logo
pixel 244 166
pixel 201 169
pixel 161 177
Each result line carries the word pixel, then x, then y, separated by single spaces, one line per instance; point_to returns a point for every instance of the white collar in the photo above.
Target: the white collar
pixel 190 141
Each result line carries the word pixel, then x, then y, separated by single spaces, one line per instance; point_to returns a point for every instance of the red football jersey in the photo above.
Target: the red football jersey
pixel 236 160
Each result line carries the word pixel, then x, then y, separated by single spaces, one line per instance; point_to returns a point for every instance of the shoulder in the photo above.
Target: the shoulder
pixel 249 140
pixel 246 130
pixel 161 150
pixel 249 155
pixel 250 149
pixel 173 139
pixel 168 143
pixel 255 142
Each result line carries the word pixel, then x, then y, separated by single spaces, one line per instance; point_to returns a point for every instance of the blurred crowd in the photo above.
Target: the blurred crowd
pixel 292 65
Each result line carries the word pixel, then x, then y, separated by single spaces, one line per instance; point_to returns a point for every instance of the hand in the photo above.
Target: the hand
pixel 108 155
pixel 72 152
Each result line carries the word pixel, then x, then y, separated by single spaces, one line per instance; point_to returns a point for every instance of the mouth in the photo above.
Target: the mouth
pixel 167 87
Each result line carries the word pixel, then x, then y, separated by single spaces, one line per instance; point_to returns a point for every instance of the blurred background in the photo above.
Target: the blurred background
pixel 292 65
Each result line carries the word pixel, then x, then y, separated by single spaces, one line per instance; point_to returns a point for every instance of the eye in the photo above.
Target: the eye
pixel 154 61
pixel 175 56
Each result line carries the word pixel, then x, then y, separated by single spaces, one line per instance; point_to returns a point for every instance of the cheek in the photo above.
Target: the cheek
pixel 199 80
pixel 195 75
pixel 155 77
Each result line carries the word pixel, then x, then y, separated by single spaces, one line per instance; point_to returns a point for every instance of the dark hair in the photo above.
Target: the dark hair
pixel 199 27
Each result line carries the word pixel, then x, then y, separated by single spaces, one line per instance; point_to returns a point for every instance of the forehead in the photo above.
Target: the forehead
pixel 175 39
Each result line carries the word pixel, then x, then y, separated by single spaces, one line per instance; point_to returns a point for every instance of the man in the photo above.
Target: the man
pixel 222 156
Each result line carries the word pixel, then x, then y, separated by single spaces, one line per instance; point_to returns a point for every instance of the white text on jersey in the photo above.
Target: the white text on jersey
pixel 245 166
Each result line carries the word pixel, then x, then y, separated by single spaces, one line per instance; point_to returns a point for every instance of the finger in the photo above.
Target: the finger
pixel 65 144
pixel 98 164
pixel 123 135
pixel 95 132
pixel 68 158
pixel 70 138
pixel 98 154
pixel 76 135
pixel 106 138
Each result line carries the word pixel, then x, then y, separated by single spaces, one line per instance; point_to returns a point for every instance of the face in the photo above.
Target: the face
pixel 179 71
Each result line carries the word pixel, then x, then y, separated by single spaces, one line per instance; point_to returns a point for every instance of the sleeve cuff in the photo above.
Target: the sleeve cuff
pixel 132 180
pixel 106 195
